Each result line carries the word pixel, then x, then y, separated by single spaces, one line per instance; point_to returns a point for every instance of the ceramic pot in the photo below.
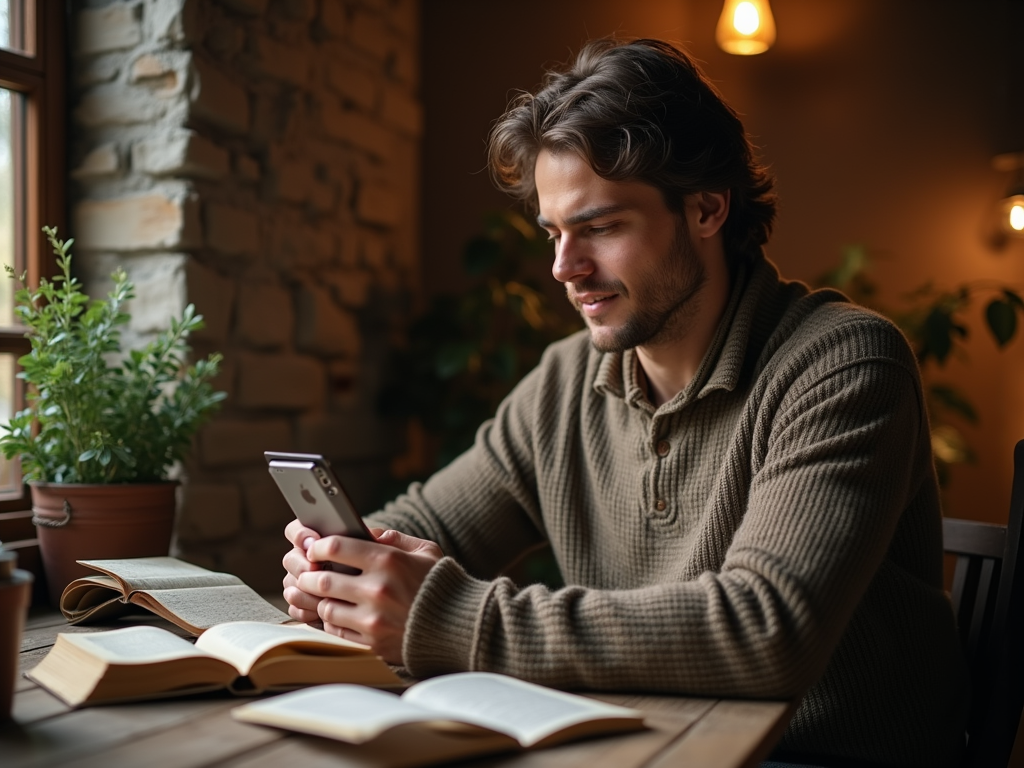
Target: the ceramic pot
pixel 92 522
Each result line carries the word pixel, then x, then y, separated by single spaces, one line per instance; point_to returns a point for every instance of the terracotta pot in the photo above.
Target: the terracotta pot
pixel 92 522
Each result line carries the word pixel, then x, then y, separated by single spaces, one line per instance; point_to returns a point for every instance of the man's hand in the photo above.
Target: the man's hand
pixel 371 607
pixel 301 606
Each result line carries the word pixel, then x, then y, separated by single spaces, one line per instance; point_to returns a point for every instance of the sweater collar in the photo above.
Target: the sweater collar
pixel 618 373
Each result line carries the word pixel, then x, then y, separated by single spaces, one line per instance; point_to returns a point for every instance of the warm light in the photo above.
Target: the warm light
pixel 746 19
pixel 1017 217
pixel 1011 207
pixel 1012 213
pixel 746 27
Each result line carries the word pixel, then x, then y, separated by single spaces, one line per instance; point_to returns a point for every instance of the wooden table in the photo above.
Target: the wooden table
pixel 199 731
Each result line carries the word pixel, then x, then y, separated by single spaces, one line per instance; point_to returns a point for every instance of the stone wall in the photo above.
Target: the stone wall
pixel 259 159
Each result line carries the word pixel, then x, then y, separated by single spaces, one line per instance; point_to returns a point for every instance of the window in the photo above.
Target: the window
pixel 32 182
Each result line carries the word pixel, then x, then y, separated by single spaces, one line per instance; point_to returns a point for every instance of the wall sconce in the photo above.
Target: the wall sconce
pixel 1011 207
pixel 746 27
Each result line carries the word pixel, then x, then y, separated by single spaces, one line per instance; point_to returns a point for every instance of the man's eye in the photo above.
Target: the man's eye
pixel 602 230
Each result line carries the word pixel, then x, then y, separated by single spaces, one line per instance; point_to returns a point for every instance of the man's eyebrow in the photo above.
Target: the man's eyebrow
pixel 585 215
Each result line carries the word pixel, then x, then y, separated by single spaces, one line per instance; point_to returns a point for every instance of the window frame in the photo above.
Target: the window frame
pixel 36 71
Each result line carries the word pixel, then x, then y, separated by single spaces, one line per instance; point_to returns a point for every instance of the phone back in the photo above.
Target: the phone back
pixel 316 498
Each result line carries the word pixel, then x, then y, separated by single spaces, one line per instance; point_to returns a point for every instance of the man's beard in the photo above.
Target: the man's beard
pixel 664 299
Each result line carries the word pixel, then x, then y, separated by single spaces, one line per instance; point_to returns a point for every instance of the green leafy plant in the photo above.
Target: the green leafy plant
pixel 934 321
pixel 96 414
pixel 466 352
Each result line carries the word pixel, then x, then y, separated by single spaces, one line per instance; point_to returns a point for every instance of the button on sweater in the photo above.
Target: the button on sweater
pixel 773 531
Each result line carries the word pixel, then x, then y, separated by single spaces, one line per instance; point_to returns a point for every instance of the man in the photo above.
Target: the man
pixel 734 473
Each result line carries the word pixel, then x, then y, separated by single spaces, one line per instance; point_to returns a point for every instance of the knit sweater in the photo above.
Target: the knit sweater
pixel 773 531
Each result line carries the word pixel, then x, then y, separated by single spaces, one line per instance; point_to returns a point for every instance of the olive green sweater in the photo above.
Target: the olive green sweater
pixel 772 531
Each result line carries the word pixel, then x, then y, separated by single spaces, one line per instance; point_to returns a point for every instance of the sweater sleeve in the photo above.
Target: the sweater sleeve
pixel 838 464
pixel 483 508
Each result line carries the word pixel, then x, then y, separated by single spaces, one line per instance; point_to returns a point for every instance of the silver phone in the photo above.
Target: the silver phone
pixel 316 497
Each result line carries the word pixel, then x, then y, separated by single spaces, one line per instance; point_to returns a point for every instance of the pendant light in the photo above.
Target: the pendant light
pixel 1011 207
pixel 746 27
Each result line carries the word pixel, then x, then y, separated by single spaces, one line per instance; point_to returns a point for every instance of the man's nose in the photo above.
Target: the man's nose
pixel 571 263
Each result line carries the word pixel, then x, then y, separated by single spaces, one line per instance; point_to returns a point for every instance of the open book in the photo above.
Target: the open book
pixel 192 597
pixel 441 719
pixel 244 657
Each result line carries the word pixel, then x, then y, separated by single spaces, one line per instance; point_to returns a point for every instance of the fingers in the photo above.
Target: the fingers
pixel 344 633
pixel 296 562
pixel 411 544
pixel 356 623
pixel 297 534
pixel 319 584
pixel 341 549
pixel 373 606
pixel 302 606
pixel 361 554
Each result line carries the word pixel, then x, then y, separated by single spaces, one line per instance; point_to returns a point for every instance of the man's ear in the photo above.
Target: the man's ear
pixel 711 211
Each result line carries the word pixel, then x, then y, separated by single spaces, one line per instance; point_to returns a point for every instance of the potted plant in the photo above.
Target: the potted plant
pixel 103 427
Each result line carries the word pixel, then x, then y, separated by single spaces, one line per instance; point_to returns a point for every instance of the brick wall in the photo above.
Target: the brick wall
pixel 258 158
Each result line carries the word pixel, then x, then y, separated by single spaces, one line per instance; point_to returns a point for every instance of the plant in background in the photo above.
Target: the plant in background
pixel 933 321
pixel 91 421
pixel 467 352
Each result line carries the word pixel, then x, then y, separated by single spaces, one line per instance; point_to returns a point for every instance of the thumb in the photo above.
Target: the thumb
pixel 299 535
pixel 407 543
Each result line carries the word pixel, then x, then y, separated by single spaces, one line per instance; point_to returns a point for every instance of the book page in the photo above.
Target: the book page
pixel 526 711
pixel 203 607
pixel 351 713
pixel 88 592
pixel 134 645
pixel 160 573
pixel 243 643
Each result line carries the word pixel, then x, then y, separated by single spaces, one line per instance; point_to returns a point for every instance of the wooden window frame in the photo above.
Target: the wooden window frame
pixel 37 71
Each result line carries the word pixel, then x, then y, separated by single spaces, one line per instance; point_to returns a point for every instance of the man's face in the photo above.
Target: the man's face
pixel 627 261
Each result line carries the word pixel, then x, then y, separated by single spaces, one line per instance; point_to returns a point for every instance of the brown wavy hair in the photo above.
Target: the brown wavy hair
pixel 640 110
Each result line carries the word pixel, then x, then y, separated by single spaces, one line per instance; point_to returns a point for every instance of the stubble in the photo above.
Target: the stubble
pixel 666 299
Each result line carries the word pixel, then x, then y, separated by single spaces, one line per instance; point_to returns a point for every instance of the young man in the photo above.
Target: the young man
pixel 734 473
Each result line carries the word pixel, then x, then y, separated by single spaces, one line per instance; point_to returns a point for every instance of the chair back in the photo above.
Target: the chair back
pixel 988 598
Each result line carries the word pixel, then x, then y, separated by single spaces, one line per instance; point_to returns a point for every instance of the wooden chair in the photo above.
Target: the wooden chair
pixel 988 597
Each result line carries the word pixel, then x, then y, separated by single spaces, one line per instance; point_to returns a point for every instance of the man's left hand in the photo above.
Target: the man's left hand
pixel 371 607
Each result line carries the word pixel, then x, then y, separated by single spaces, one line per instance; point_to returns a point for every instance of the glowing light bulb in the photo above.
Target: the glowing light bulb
pixel 1011 213
pixel 745 19
pixel 1017 217
pixel 746 27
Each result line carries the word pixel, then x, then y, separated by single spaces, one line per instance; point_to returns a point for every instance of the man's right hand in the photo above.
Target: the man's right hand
pixel 302 606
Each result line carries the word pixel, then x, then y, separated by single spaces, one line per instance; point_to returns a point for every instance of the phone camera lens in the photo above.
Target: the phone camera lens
pixel 325 482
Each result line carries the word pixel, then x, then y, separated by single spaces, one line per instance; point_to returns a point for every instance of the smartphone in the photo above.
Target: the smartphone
pixel 316 497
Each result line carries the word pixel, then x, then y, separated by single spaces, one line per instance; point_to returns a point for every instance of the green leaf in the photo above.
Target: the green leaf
pixel 1014 298
pixel 1001 317
pixel 938 331
pixel 122 454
